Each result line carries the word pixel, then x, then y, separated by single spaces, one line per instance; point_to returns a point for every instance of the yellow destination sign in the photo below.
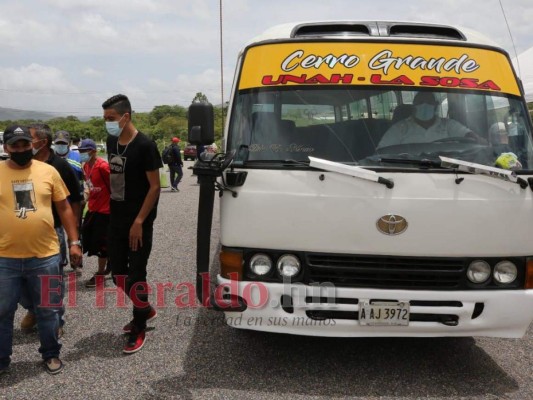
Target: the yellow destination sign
pixel 377 64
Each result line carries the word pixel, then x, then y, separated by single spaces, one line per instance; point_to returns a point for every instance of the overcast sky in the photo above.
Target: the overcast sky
pixel 68 56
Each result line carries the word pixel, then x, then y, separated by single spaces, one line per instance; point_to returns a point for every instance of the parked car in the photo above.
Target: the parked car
pixel 189 152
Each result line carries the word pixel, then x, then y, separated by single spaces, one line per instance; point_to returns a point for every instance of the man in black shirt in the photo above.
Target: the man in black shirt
pixel 42 151
pixel 134 163
pixel 176 165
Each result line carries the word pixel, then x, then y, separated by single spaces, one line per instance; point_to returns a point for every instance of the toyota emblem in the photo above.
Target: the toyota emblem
pixel 392 224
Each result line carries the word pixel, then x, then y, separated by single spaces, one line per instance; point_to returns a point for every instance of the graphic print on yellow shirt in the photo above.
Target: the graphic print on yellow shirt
pixel 26 196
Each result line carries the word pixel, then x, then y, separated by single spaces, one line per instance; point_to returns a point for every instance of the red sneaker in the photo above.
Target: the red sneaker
pixel 129 326
pixel 135 342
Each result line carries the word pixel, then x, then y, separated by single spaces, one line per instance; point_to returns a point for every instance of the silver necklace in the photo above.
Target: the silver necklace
pixel 127 144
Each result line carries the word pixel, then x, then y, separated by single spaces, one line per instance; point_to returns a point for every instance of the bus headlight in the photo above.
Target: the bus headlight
pixel 478 271
pixel 505 272
pixel 288 266
pixel 260 264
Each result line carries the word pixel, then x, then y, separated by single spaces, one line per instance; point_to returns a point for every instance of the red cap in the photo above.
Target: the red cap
pixel 175 139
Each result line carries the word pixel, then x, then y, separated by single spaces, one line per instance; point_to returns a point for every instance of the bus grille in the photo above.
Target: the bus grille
pixel 386 272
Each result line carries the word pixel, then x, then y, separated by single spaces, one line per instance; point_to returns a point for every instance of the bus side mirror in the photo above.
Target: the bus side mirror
pixel 201 124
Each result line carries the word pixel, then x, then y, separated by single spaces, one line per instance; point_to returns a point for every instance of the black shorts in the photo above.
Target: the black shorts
pixel 94 232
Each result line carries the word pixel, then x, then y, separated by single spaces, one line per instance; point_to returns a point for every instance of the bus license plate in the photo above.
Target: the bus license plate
pixel 384 313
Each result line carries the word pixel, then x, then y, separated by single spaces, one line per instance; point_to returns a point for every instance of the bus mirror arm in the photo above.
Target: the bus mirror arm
pixel 221 187
pixel 204 294
pixel 203 238
pixel 208 168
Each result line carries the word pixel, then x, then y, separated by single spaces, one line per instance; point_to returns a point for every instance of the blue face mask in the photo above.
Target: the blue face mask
pixel 61 149
pixel 84 157
pixel 113 127
pixel 424 112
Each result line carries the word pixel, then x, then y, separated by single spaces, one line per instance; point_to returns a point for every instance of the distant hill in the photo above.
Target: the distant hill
pixel 13 114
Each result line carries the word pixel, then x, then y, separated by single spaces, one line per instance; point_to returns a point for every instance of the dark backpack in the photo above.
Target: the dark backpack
pixel 168 155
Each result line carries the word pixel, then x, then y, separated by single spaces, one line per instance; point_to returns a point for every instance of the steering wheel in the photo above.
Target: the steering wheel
pixel 456 139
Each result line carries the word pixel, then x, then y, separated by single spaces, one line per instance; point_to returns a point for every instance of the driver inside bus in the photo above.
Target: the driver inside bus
pixel 424 125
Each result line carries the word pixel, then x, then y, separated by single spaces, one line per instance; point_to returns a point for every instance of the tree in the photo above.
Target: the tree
pixel 160 112
pixel 170 127
pixel 220 114
pixel 161 124
pixel 200 98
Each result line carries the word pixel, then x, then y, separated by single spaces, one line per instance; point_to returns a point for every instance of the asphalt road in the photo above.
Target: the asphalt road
pixel 191 354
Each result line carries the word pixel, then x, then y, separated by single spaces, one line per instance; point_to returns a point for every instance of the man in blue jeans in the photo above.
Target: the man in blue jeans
pixel 29 250
pixel 42 141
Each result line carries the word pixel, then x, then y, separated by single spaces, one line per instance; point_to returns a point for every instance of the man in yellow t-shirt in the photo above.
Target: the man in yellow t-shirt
pixel 29 249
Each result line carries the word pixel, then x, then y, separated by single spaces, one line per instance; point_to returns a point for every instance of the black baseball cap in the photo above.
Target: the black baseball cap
pixel 15 132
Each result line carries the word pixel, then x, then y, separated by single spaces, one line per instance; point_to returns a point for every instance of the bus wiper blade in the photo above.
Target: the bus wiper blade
pixel 424 163
pixel 344 169
pixel 480 169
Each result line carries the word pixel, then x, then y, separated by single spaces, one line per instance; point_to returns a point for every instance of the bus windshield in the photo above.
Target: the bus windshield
pixel 365 126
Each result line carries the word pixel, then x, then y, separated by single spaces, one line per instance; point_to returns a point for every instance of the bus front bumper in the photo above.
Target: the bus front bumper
pixel 334 311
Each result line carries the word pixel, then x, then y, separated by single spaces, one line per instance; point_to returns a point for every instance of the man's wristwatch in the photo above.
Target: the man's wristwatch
pixel 75 243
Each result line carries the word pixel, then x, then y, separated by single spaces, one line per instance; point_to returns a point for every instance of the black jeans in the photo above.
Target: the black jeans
pixel 175 169
pixel 131 264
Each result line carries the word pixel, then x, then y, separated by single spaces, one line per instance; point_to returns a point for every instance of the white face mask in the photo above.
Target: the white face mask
pixel 424 112
pixel 35 151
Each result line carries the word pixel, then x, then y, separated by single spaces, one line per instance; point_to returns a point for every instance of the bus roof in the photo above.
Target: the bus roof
pixel 375 30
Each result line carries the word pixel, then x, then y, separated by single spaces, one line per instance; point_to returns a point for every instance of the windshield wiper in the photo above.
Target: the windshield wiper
pixel 278 163
pixel 292 163
pixel 344 169
pixel 480 169
pixel 424 163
